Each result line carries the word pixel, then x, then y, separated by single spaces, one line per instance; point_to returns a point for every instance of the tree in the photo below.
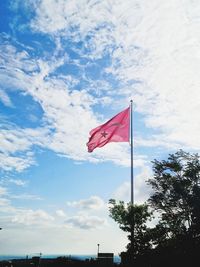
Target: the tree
pixel 176 198
pixel 133 219
pixel 176 186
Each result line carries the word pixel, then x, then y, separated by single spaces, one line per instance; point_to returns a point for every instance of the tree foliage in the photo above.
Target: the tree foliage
pixel 176 193
pixel 133 219
pixel 176 198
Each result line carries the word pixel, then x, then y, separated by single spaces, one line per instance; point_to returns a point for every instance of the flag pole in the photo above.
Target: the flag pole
pixel 131 141
pixel 132 184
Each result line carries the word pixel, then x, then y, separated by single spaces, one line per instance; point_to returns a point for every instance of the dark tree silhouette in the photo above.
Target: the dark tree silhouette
pixel 175 239
pixel 176 186
pixel 176 196
pixel 133 219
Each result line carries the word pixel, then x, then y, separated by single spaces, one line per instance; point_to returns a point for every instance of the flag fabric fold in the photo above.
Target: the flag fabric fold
pixel 115 130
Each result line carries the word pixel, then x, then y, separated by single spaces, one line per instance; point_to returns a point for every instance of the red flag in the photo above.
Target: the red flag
pixel 114 130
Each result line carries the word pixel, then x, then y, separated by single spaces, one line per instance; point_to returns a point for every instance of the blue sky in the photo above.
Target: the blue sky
pixel 65 68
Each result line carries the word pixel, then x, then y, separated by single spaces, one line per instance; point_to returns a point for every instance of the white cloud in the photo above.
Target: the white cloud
pixel 59 240
pixel 61 213
pixel 3 191
pixel 92 203
pixel 17 182
pixel 65 112
pixel 15 139
pixel 4 202
pixel 155 44
pixel 123 192
pixel 154 50
pixel 32 217
pixel 141 190
pixel 26 196
pixel 159 141
pixel 16 144
pixel 10 163
pixel 5 99
pixel 86 222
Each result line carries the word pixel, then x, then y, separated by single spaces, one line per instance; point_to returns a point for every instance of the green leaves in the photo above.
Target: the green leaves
pixel 133 219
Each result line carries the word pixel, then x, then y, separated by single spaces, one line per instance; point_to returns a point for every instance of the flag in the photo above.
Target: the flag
pixel 115 130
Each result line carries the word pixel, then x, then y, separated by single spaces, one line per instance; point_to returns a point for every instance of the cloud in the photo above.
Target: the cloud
pixel 17 182
pixel 152 53
pixel 3 191
pixel 65 112
pixel 141 190
pixel 10 163
pixel 4 202
pixel 85 221
pixel 92 203
pixel 5 99
pixel 154 50
pixel 61 213
pixel 123 192
pixel 59 239
pixel 15 139
pixel 16 146
pixel 26 197
pixel 32 217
